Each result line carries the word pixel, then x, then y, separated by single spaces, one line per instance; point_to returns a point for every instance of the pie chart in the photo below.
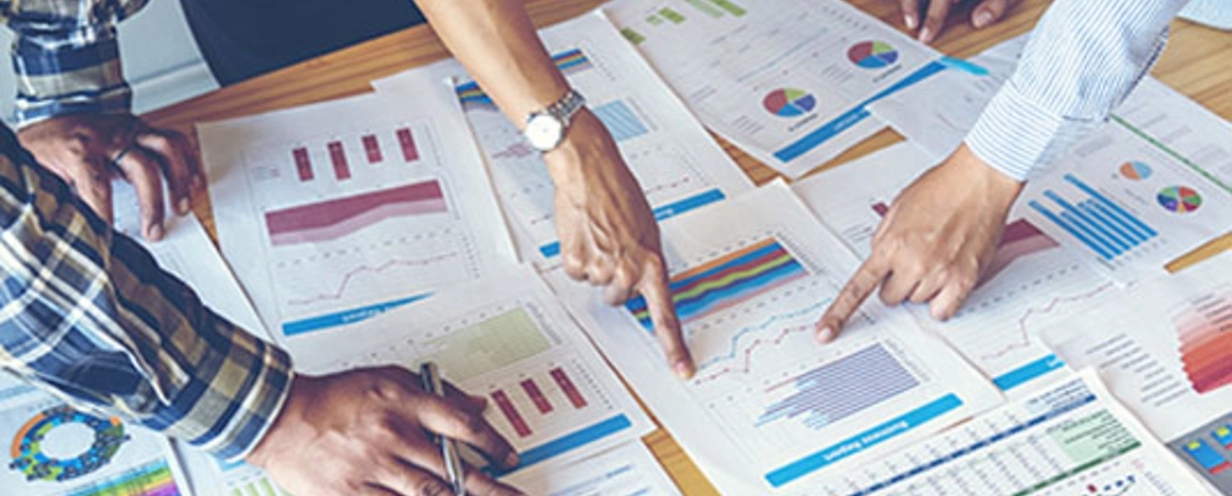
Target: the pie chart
pixel 872 54
pixel 1135 170
pixel 789 102
pixel 1179 199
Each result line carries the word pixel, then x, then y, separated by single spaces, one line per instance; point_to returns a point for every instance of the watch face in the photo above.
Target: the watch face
pixel 544 132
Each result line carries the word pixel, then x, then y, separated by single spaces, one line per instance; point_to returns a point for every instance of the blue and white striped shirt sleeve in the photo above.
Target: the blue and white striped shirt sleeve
pixel 1083 58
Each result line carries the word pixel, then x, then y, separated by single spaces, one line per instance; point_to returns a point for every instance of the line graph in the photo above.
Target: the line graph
pixel 748 353
pixel 349 276
pixel 1023 335
pixel 733 348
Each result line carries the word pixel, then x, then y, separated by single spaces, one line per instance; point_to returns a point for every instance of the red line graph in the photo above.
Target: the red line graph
pixel 748 354
pixel 346 280
pixel 667 186
pixel 1024 337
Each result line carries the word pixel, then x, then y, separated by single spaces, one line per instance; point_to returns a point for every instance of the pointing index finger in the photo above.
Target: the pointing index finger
pixel 655 288
pixel 862 283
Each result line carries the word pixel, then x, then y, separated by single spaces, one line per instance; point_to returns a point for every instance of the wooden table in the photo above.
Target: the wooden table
pixel 1196 63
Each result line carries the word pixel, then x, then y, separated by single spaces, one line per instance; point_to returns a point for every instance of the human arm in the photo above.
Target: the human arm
pixel 607 230
pixel 87 313
pixel 73 107
pixel 937 239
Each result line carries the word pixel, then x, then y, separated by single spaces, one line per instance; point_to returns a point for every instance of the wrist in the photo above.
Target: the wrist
pixel 287 424
pixel 1000 190
pixel 586 133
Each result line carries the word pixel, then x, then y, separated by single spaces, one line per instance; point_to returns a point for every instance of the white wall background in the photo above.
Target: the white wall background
pixel 161 60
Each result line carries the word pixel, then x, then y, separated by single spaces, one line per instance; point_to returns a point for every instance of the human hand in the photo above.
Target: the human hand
pixel 935 12
pixel 935 242
pixel 365 432
pixel 608 234
pixel 86 150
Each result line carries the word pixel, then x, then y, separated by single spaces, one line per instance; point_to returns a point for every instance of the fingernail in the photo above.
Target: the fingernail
pixel 983 18
pixel 926 34
pixel 825 335
pixel 512 460
pixel 155 232
pixel 183 206
pixel 683 370
pixel 909 20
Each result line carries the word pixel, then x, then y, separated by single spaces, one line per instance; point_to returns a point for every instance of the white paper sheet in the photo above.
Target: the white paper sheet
pixel 187 252
pixel 626 470
pixel 58 450
pixel 1069 438
pixel 1032 282
pixel 679 166
pixel 1165 349
pixel 787 81
pixel 507 339
pixel 335 212
pixel 770 409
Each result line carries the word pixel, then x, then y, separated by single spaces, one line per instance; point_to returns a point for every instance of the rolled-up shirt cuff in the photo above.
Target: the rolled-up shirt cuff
pixel 1019 138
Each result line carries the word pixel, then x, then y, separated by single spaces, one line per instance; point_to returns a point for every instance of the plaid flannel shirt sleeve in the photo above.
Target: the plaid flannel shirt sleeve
pixel 88 313
pixel 66 57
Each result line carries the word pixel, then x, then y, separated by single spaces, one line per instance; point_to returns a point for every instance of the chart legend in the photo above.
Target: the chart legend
pixel 726 281
pixel 789 102
pixel 872 54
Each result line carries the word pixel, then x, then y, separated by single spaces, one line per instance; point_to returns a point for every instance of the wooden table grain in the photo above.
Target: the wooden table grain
pixel 1196 63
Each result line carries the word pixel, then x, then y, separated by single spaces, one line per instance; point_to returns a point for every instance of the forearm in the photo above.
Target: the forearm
pixel 497 43
pixel 1084 57
pixel 66 57
pixel 90 313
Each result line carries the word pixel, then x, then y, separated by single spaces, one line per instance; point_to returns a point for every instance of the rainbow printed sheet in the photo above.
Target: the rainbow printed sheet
pixel 726 281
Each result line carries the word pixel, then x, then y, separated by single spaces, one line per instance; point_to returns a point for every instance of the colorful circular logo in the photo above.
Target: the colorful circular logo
pixel 872 54
pixel 30 459
pixel 1179 199
pixel 789 102
pixel 1135 170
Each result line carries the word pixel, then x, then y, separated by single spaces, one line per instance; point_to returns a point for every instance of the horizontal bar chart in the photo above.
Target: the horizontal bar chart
pixel 1098 222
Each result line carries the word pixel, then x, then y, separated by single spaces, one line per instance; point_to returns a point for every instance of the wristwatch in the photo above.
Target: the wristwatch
pixel 546 128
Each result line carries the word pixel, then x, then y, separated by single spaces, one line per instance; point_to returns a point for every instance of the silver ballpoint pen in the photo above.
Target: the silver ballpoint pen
pixel 431 378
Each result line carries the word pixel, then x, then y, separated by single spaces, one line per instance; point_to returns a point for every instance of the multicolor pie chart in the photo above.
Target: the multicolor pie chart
pixel 789 102
pixel 872 54
pixel 1179 199
pixel 1135 170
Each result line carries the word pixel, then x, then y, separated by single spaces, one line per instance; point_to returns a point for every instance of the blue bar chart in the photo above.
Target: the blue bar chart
pixel 1098 222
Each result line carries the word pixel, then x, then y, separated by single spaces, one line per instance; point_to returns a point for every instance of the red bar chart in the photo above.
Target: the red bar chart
pixel 372 148
pixel 536 395
pixel 303 164
pixel 566 385
pixel 406 140
pixel 511 413
pixel 337 155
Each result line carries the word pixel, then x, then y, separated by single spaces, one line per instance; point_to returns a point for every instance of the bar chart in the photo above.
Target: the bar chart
pixel 1102 225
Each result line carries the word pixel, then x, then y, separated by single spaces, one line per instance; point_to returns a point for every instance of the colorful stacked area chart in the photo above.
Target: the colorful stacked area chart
pixel 1179 199
pixel 1204 329
pixel 1135 170
pixel 726 281
pixel 789 102
pixel 872 54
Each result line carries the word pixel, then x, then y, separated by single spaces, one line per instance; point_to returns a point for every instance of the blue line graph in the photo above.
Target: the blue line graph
pixel 735 339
